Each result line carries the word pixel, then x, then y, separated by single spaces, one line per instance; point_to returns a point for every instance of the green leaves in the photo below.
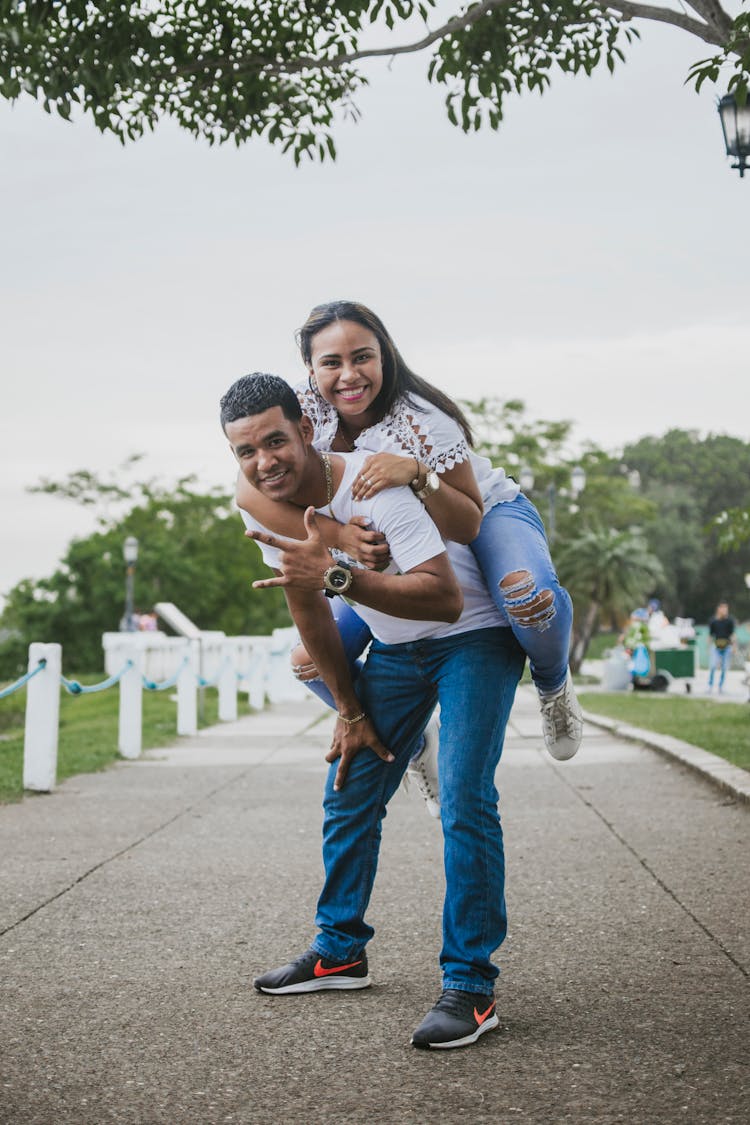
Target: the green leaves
pixel 287 70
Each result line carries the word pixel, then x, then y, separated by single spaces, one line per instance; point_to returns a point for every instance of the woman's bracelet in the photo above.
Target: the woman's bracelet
pixel 350 722
pixel 417 484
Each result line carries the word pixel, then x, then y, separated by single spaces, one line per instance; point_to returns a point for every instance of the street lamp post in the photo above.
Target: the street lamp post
pixel 130 554
pixel 577 485
pixel 735 123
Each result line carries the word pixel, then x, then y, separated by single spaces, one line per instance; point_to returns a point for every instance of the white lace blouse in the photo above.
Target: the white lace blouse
pixel 413 428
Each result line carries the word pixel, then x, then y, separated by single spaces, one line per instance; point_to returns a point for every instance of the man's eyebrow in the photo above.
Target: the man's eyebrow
pixel 246 446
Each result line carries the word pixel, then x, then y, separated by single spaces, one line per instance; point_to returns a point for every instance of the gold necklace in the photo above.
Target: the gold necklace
pixel 344 438
pixel 329 480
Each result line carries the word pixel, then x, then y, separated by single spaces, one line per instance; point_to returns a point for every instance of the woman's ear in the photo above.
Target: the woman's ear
pixel 312 382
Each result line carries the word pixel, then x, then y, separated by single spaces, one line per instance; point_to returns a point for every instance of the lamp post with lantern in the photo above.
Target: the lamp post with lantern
pixel 735 124
pixel 130 554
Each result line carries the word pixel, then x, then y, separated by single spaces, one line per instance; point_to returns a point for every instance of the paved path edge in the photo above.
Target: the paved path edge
pixel 730 778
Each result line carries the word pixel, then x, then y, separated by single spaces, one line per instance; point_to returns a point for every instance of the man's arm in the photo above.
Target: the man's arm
pixel 312 615
pixel 428 592
pixel 282 518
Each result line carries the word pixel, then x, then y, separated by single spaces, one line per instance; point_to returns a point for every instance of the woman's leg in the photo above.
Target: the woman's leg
pixel 514 558
pixel 355 635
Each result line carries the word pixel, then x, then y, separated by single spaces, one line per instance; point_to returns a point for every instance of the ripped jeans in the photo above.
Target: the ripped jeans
pixel 514 558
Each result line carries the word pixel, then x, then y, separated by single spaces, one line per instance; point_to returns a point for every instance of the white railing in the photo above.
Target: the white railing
pixel 258 666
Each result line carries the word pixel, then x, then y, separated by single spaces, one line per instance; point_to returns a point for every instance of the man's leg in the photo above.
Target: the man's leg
pixel 471 742
pixel 400 700
pixel 474 915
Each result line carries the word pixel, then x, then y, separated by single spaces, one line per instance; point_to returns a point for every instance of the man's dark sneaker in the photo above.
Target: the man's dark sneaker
pixel 312 973
pixel 457 1020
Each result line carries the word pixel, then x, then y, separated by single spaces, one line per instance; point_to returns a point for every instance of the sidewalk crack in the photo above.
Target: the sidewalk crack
pixel 657 879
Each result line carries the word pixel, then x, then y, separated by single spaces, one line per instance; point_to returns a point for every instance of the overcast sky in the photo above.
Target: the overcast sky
pixel 591 258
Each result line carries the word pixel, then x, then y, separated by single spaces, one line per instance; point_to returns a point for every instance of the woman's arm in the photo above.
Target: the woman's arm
pixel 367 547
pixel 456 508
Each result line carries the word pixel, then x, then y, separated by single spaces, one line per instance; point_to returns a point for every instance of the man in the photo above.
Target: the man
pixel 721 631
pixel 454 649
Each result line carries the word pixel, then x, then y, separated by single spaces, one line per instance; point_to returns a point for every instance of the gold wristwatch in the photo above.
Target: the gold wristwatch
pixel 337 580
pixel 430 486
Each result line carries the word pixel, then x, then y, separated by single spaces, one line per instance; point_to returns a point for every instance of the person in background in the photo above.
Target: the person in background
pixel 721 631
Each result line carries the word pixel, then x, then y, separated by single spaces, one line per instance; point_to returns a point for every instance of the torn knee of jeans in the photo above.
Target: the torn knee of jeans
pixel 302 668
pixel 526 606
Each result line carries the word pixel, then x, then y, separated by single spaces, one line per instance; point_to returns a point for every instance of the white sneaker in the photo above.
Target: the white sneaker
pixel 423 768
pixel 562 721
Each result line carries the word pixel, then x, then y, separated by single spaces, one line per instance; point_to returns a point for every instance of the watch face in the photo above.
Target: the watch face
pixel 337 578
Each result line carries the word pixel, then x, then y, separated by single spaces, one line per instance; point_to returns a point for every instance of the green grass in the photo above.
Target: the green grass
pixel 88 730
pixel 722 728
pixel 599 644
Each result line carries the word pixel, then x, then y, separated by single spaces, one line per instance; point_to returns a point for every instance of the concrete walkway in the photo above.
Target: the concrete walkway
pixel 137 904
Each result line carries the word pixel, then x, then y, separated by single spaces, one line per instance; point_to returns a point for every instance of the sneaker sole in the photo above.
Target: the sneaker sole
pixel 323 984
pixel 466 1041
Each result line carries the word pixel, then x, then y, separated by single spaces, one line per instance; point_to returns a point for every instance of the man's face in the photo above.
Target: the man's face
pixel 271 451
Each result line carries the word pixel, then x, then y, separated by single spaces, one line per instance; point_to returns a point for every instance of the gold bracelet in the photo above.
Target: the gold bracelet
pixel 417 484
pixel 350 722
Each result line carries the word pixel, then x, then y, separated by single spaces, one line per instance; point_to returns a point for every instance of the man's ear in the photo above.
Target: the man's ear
pixel 233 452
pixel 307 429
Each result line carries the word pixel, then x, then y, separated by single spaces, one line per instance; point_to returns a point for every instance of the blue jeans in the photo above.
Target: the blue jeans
pixel 537 608
pixel 719 658
pixel 399 687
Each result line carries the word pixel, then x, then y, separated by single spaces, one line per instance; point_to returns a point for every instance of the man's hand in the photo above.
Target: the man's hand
pixel 365 546
pixel 348 740
pixel 303 562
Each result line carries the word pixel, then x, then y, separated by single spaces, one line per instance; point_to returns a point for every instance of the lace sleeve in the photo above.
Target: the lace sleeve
pixel 421 430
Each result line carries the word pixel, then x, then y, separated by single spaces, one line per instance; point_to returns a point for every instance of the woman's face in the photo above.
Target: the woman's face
pixel 346 364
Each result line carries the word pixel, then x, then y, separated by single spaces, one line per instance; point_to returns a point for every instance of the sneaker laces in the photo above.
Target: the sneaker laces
pixel 417 773
pixel 458 1003
pixel 558 717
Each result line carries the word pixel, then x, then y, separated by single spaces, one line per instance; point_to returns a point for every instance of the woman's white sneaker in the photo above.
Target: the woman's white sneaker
pixel 423 768
pixel 562 721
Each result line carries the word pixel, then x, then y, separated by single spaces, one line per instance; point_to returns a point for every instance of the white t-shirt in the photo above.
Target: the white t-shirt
pixel 414 429
pixel 413 539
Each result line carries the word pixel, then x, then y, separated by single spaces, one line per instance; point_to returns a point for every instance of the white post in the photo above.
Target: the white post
pixel 131 703
pixel 256 675
pixel 187 691
pixel 42 719
pixel 227 684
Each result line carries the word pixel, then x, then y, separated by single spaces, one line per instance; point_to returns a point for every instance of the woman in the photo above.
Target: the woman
pixel 362 396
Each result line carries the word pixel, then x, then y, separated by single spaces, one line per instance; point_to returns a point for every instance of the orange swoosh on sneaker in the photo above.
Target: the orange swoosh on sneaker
pixel 319 971
pixel 480 1019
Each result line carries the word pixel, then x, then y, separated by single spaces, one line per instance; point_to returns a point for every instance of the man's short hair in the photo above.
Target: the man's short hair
pixel 255 393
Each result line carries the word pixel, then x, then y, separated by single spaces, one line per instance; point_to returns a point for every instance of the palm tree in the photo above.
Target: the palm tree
pixel 606 571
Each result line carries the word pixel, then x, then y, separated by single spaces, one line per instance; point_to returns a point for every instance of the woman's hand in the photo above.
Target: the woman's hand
pixel 385 470
pixel 365 546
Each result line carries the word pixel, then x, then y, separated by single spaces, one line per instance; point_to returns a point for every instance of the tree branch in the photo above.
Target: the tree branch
pixel 715 32
pixel 710 33
pixel 306 62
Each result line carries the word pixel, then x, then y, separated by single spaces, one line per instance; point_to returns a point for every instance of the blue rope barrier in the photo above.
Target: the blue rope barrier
pixel 74 688
pixel 150 685
pixel 215 680
pixel 24 679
